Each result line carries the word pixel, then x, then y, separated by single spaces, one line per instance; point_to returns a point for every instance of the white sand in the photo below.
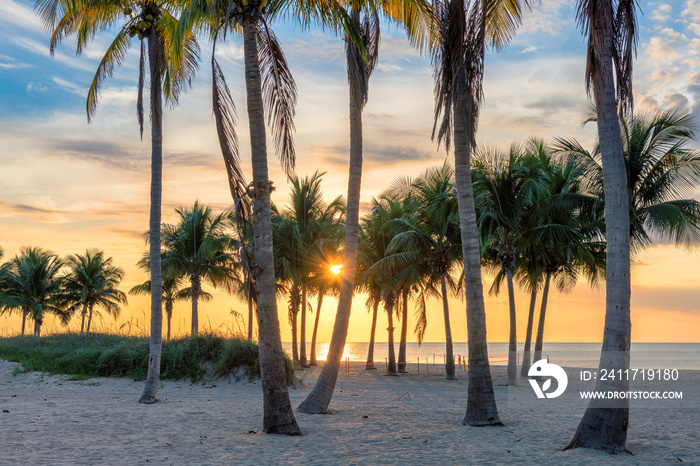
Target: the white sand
pixel 52 420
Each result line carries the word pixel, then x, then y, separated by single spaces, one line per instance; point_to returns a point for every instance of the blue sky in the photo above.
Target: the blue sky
pixel 68 185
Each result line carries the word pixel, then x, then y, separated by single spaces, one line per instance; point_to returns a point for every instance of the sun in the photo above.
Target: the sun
pixel 336 269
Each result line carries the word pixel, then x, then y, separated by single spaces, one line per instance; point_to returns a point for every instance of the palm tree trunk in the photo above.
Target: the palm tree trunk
pixel 528 335
pixel 25 312
pixel 604 426
pixel 82 317
pixel 320 397
pixel 89 318
pixel 278 415
pixel 449 351
pixel 389 307
pixel 513 341
pixel 295 313
pixel 196 283
pixel 540 324
pixel 481 401
pixel 302 333
pixel 37 327
pixel 404 329
pixel 313 361
pixel 250 315
pixel 155 52
pixel 370 352
pixel 169 315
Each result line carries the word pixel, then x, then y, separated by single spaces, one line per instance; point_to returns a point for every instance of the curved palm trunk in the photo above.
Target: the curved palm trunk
pixel 604 426
pixel 313 361
pixel 278 416
pixel 320 397
pixel 540 324
pixel 449 352
pixel 513 340
pixel 168 315
pixel 82 317
pixel 302 333
pixel 389 307
pixel 196 288
pixel 481 401
pixel 404 329
pixel 150 390
pixel 528 335
pixel 37 327
pixel 369 365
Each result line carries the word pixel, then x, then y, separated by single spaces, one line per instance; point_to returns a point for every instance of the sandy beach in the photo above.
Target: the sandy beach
pixel 414 418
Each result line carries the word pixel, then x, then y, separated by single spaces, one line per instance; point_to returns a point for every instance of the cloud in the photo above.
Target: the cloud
pixel 557 102
pixel 9 63
pixel 389 67
pixel 530 49
pixel 662 13
pixel 35 87
pixel 675 100
pixel 667 299
pixel 373 155
pixel 37 214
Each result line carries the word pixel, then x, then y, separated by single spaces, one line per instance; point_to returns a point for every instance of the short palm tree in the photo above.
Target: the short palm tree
pixel 32 285
pixel 505 191
pixel 199 248
pixel 430 238
pixel 154 23
pixel 662 173
pixel 174 290
pixel 91 282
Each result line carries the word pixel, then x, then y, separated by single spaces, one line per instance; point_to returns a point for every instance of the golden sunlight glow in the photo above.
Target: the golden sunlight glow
pixel 336 269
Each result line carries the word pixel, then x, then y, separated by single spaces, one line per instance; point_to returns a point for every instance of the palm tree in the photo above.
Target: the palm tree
pixel 198 247
pixel 92 280
pixel 32 285
pixel 660 169
pixel 173 290
pixel 612 39
pixel 431 241
pixel 152 20
pixel 505 191
pixel 458 60
pixel 362 56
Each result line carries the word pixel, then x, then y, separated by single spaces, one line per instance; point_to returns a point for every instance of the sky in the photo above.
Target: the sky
pixel 67 185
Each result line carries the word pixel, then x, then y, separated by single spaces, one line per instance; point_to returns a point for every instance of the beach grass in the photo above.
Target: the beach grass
pixel 84 356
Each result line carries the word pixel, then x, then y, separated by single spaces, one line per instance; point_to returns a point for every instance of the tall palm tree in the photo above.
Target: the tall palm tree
pixel 154 23
pixel 362 54
pixel 505 191
pixel 198 247
pixel 458 59
pixel 32 285
pixel 92 281
pixel 612 39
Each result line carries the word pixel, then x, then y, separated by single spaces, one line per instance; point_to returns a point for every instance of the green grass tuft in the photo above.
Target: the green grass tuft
pixel 106 355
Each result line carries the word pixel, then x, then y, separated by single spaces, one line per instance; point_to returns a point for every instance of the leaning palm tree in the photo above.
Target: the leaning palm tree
pixel 198 247
pixel 32 285
pixel 458 59
pixel 91 283
pixel 362 56
pixel 154 23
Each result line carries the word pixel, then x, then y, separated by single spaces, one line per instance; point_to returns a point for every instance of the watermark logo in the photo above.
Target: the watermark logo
pixel 543 368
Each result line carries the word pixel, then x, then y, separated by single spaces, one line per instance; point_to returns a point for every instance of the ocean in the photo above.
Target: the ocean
pixel 643 355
